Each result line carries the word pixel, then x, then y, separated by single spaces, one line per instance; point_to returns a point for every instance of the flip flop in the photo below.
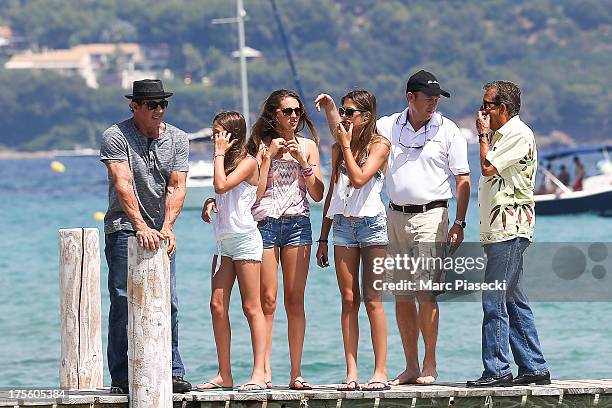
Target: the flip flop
pixel 260 388
pixel 305 385
pixel 369 387
pixel 215 387
pixel 355 388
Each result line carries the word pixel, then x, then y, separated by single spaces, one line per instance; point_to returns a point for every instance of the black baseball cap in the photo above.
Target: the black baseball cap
pixel 425 82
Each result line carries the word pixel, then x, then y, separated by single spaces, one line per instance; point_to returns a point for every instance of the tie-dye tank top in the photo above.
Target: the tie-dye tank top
pixel 285 192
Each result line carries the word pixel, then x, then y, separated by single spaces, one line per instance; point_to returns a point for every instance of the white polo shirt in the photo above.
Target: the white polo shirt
pixel 421 163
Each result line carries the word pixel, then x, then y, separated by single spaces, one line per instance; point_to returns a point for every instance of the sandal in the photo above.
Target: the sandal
pixel 259 388
pixel 215 387
pixel 349 386
pixel 369 386
pixel 304 384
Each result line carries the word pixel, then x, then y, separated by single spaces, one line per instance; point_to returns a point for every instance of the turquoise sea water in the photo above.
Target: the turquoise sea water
pixel 35 203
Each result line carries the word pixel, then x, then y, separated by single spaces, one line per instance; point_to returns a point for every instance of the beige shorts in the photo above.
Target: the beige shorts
pixel 417 242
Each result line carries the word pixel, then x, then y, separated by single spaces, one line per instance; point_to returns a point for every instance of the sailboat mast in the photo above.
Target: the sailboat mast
pixel 240 14
pixel 281 29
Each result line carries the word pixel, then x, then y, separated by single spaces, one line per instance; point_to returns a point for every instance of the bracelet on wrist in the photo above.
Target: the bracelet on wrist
pixel 322 240
pixel 307 171
pixel 346 147
pixel 219 155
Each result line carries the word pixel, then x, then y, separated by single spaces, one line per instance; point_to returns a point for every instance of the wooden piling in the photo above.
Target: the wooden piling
pixel 149 331
pixel 81 365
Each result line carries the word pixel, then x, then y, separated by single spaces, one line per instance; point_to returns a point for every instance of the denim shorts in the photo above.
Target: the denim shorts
pixel 293 230
pixel 243 247
pixel 360 232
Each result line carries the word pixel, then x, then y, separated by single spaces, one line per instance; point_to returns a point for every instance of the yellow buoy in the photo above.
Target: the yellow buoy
pixel 98 216
pixel 58 167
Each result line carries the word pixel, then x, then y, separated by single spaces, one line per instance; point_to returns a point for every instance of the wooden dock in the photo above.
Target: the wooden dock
pixel 567 393
pixel 149 356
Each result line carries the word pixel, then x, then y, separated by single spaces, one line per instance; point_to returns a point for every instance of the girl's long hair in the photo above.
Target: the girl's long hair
pixel 234 123
pixel 265 128
pixel 360 143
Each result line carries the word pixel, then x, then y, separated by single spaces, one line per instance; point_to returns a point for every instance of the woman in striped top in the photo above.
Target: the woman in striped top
pixel 290 172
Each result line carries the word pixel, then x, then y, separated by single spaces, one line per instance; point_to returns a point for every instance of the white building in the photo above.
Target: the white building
pixel 87 60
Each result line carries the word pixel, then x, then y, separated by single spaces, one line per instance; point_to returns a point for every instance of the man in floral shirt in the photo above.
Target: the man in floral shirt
pixel 508 161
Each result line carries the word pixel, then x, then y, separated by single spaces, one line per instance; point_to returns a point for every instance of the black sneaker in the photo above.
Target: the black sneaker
pixel 120 388
pixel 179 385
pixel 529 379
pixel 505 381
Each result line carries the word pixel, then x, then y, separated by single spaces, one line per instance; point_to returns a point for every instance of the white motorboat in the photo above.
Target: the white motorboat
pixel 199 183
pixel 596 193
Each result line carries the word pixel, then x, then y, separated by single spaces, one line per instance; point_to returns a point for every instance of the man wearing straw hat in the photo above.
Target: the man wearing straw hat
pixel 147 161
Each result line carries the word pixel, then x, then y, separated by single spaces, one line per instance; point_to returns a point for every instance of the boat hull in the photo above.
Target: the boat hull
pixel 580 202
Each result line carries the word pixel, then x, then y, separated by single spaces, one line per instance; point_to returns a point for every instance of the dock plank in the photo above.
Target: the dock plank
pixel 561 393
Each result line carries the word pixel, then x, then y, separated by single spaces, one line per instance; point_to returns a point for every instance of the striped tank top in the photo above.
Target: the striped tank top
pixel 285 193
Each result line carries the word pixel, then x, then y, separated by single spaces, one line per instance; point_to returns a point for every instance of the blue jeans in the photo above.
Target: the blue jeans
pixel 116 251
pixel 508 319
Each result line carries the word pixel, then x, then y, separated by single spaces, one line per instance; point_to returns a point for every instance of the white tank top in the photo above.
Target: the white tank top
pixel 356 202
pixel 234 211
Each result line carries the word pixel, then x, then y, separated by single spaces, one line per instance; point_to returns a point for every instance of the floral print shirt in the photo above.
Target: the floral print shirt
pixel 506 209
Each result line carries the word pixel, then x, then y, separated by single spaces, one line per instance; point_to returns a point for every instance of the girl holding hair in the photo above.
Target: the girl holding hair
pixel 239 249
pixel 290 172
pixel 354 207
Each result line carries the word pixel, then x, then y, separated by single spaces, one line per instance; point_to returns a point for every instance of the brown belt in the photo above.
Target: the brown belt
pixel 415 209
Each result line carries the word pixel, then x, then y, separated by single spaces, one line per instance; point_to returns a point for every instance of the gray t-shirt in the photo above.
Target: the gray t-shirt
pixel 151 162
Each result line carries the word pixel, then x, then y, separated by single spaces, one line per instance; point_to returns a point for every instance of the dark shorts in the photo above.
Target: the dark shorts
pixel 292 230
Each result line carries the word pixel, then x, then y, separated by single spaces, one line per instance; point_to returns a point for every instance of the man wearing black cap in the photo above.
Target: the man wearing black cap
pixel 147 161
pixel 427 150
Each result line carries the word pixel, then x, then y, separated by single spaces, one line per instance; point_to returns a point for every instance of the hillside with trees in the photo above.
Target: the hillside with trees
pixel 559 51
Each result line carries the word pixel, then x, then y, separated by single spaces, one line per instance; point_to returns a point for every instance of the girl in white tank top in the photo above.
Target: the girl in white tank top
pixel 353 202
pixel 239 248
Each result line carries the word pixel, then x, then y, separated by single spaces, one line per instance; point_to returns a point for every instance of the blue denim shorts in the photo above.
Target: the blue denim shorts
pixel 360 232
pixel 243 247
pixel 293 230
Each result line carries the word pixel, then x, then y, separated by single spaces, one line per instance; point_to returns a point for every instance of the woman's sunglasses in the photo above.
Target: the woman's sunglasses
pixel 348 112
pixel 289 111
pixel 152 105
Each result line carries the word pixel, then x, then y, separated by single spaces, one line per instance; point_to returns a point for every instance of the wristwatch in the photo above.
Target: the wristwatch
pixel 484 134
pixel 460 223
